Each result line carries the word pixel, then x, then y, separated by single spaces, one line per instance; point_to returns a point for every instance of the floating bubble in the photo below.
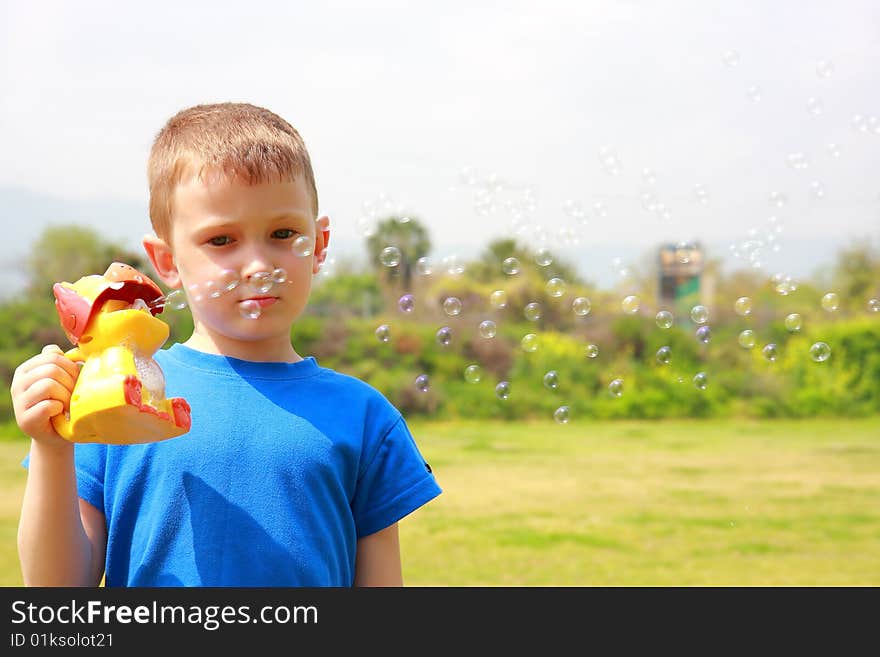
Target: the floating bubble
pixel 175 299
pixel 754 93
pixel 562 415
pixel 699 314
pixel 746 339
pixel 701 193
pixel 591 351
pixel 831 302
pixel 817 189
pixel 743 306
pixel 664 319
pixel 212 289
pixel 555 287
pixel 473 373
pixel 250 309
pixel 444 336
pixel 454 265
pixel 543 257
pixel 529 342
pixel 798 161
pixel 581 306
pixel 778 199
pixel 502 391
pixel 783 284
pixel 701 381
pixel 498 299
pixel 303 246
pixel 815 106
pixel 452 306
pixel 532 311
pixel 390 256
pixel 260 281
pixel 824 68
pixel 383 333
pixel 488 329
pixel 770 351
pixel 730 58
pixel 873 305
pixel 279 276
pixel 793 323
pixel 228 280
pixel 833 150
pixel 422 383
pixel 609 160
pixel 551 380
pixel 704 334
pixel 664 355
pixel 616 387
pixel 406 303
pixel 424 266
pixel 510 266
pixel 820 352
pixel 630 304
pixel 684 251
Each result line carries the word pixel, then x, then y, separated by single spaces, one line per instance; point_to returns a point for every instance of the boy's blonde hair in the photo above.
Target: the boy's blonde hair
pixel 234 139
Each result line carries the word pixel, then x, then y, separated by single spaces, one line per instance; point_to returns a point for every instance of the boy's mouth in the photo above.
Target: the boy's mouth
pixel 262 302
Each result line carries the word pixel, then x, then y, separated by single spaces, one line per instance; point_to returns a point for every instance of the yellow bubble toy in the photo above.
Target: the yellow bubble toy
pixel 119 396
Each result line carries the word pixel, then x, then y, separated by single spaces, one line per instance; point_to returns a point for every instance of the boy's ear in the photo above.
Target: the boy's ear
pixel 322 239
pixel 162 260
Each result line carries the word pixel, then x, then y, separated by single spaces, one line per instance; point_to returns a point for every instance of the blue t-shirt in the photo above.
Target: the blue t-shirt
pixel 285 467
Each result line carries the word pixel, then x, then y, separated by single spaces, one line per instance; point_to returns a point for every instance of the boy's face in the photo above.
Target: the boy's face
pixel 224 229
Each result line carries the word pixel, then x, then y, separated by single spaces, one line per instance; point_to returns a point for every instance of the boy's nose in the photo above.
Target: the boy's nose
pixel 256 262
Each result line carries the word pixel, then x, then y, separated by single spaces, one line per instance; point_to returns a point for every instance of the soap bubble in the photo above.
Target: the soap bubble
pixel 510 266
pixel 630 304
pixel 212 289
pixel 250 309
pixel 390 256
pixel 873 305
pixel 777 198
pixel 406 303
pixel 444 336
pixel 704 334
pixel 452 306
pixel 543 257
pixel 561 415
pixel 664 355
pixel 616 387
pixel 730 58
pixel 303 246
pixel 422 383
pixel 424 266
pixel 830 302
pixel 529 342
pixel 591 351
pixel 260 281
pixel 488 328
pixel 793 323
pixel 228 279
pixel 383 333
pixel 770 351
pixel 175 299
pixel 699 314
pixel 454 265
pixel 502 390
pixel 747 339
pixel 555 287
pixel 824 68
pixel 784 284
pixel 498 299
pixel 820 352
pixel 754 93
pixel 581 306
pixel 815 106
pixel 664 319
pixel 473 373
pixel 551 380
pixel 532 311
pixel 743 306
pixel 279 276
pixel 701 380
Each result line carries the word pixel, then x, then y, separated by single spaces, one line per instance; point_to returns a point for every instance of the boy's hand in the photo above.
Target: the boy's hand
pixel 41 389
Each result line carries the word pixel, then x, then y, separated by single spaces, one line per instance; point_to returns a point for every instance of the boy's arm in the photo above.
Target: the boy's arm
pixel 61 541
pixel 377 560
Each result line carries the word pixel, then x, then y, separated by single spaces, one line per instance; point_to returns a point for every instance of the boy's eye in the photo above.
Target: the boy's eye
pixel 283 233
pixel 220 240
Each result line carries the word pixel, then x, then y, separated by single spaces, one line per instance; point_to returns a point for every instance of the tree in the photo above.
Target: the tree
pixel 68 252
pixel 412 240
pixel 857 272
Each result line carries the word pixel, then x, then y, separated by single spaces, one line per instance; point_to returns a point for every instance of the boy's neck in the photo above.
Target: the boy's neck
pixel 258 352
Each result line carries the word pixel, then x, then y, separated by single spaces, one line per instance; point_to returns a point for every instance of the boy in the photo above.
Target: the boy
pixel 292 474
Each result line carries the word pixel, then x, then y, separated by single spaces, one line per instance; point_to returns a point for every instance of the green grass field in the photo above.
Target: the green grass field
pixel 686 503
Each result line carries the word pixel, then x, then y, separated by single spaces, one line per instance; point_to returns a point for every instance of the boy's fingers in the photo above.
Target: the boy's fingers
pixel 52 370
pixel 51 348
pixel 46 408
pixel 44 390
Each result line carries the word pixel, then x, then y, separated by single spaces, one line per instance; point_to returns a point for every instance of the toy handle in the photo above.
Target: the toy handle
pixel 61 422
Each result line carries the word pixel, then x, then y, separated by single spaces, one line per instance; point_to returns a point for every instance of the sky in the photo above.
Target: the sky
pixel 600 129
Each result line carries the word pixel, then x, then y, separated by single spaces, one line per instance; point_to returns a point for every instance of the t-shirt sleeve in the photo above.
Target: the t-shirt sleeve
pixel 395 482
pixel 90 459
